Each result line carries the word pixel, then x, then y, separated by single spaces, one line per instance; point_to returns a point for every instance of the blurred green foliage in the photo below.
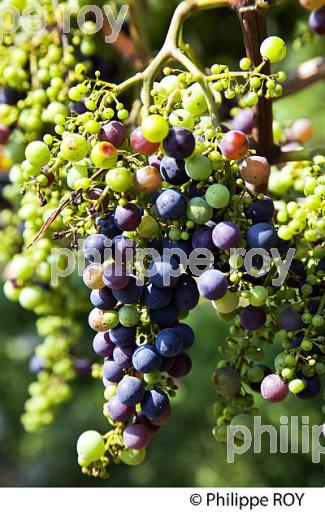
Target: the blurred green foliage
pixel 184 452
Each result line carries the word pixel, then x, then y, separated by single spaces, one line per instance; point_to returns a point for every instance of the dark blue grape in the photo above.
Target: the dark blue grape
pixel 116 276
pixel 171 204
pixel 202 239
pixel 123 356
pixel 156 297
pixel 155 161
pixel 10 96
pixel 243 121
pixel 95 248
pixel 311 389
pixel 169 342
pixel 212 284
pixel 103 345
pixel 165 317
pixel 252 318
pixel 226 235
pixel 179 143
pixel 123 248
pixel 103 299
pixel 173 171
pixel 166 364
pixel 112 372
pixel 164 272
pixel 107 226
pixel 194 191
pixel 261 210
pixel 186 294
pixel 119 411
pixel 187 334
pixel 130 391
pixel 262 236
pixel 132 293
pixel 290 320
pixel 155 403
pixel 82 367
pixel 122 336
pixel 146 359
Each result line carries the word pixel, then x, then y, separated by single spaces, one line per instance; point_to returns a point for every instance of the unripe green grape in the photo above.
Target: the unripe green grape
pixel 296 386
pixel 245 64
pixel 318 321
pixel 90 447
pixel 38 153
pixel 128 316
pixel 132 457
pixel 119 179
pixel 242 420
pixel 199 211
pixel 236 261
pixel 250 99
pixel 151 378
pixel 148 227
pixel 287 373
pixel 273 48
pixel 217 196
pixel 258 296
pixel 227 304
pixel 11 292
pixel 182 118
pixel 22 268
pixel 155 128
pixel 30 297
pixel 110 391
pixel 194 100
pixel 306 345
pixel 170 83
pixel 255 374
pixel 74 147
pixel 198 167
pixel 110 319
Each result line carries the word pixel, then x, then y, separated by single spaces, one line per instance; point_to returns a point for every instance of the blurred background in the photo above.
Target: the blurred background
pixel 185 452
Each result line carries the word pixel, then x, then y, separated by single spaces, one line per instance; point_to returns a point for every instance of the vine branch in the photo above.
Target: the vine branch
pixel 307 73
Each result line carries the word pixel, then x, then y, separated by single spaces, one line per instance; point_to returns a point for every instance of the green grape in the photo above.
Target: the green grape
pixel 273 48
pixel 182 118
pixel 194 100
pixel 133 457
pixel 90 447
pixel 110 319
pixel 38 154
pixel 217 196
pixel 155 128
pixel 74 147
pixel 198 167
pixel 30 297
pixel 296 386
pixel 228 303
pixel 148 227
pixel 128 316
pixel 119 179
pixel 199 211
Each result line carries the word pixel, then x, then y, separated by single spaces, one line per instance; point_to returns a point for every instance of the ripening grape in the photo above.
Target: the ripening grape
pixel 147 180
pixel 255 170
pixel 273 388
pixel 104 155
pixel 141 144
pixel 317 21
pixel 234 145
pixel 93 276
pixel 302 130
pixel 226 381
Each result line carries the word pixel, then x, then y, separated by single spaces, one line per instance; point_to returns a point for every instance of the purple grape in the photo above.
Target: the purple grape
pixel 112 372
pixel 182 365
pixel 127 218
pixel 273 388
pixel 243 121
pixel 261 210
pixel 252 318
pixel 10 96
pixel 115 276
pixel 162 419
pixel 156 297
pixel 122 356
pixel 155 403
pixel 122 336
pixel 226 235
pixel 166 364
pixel 202 239
pixel 114 132
pixel 103 299
pixel 102 345
pixel 130 391
pixel 186 294
pixel 95 248
pixel 179 143
pixel 212 284
pixel 146 359
pixel 77 107
pixel 123 248
pixel 194 191
pixel 155 161
pixel 142 419
pixel 118 411
pixel 132 293
pixel 317 21
pixel 107 226
pixel 164 272
pixel 290 320
pixel 187 334
pixel 82 367
pixel 136 436
pixel 173 171
pixel 166 317
pixel 262 236
pixel 169 342
pixel 171 204
pixel 226 381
